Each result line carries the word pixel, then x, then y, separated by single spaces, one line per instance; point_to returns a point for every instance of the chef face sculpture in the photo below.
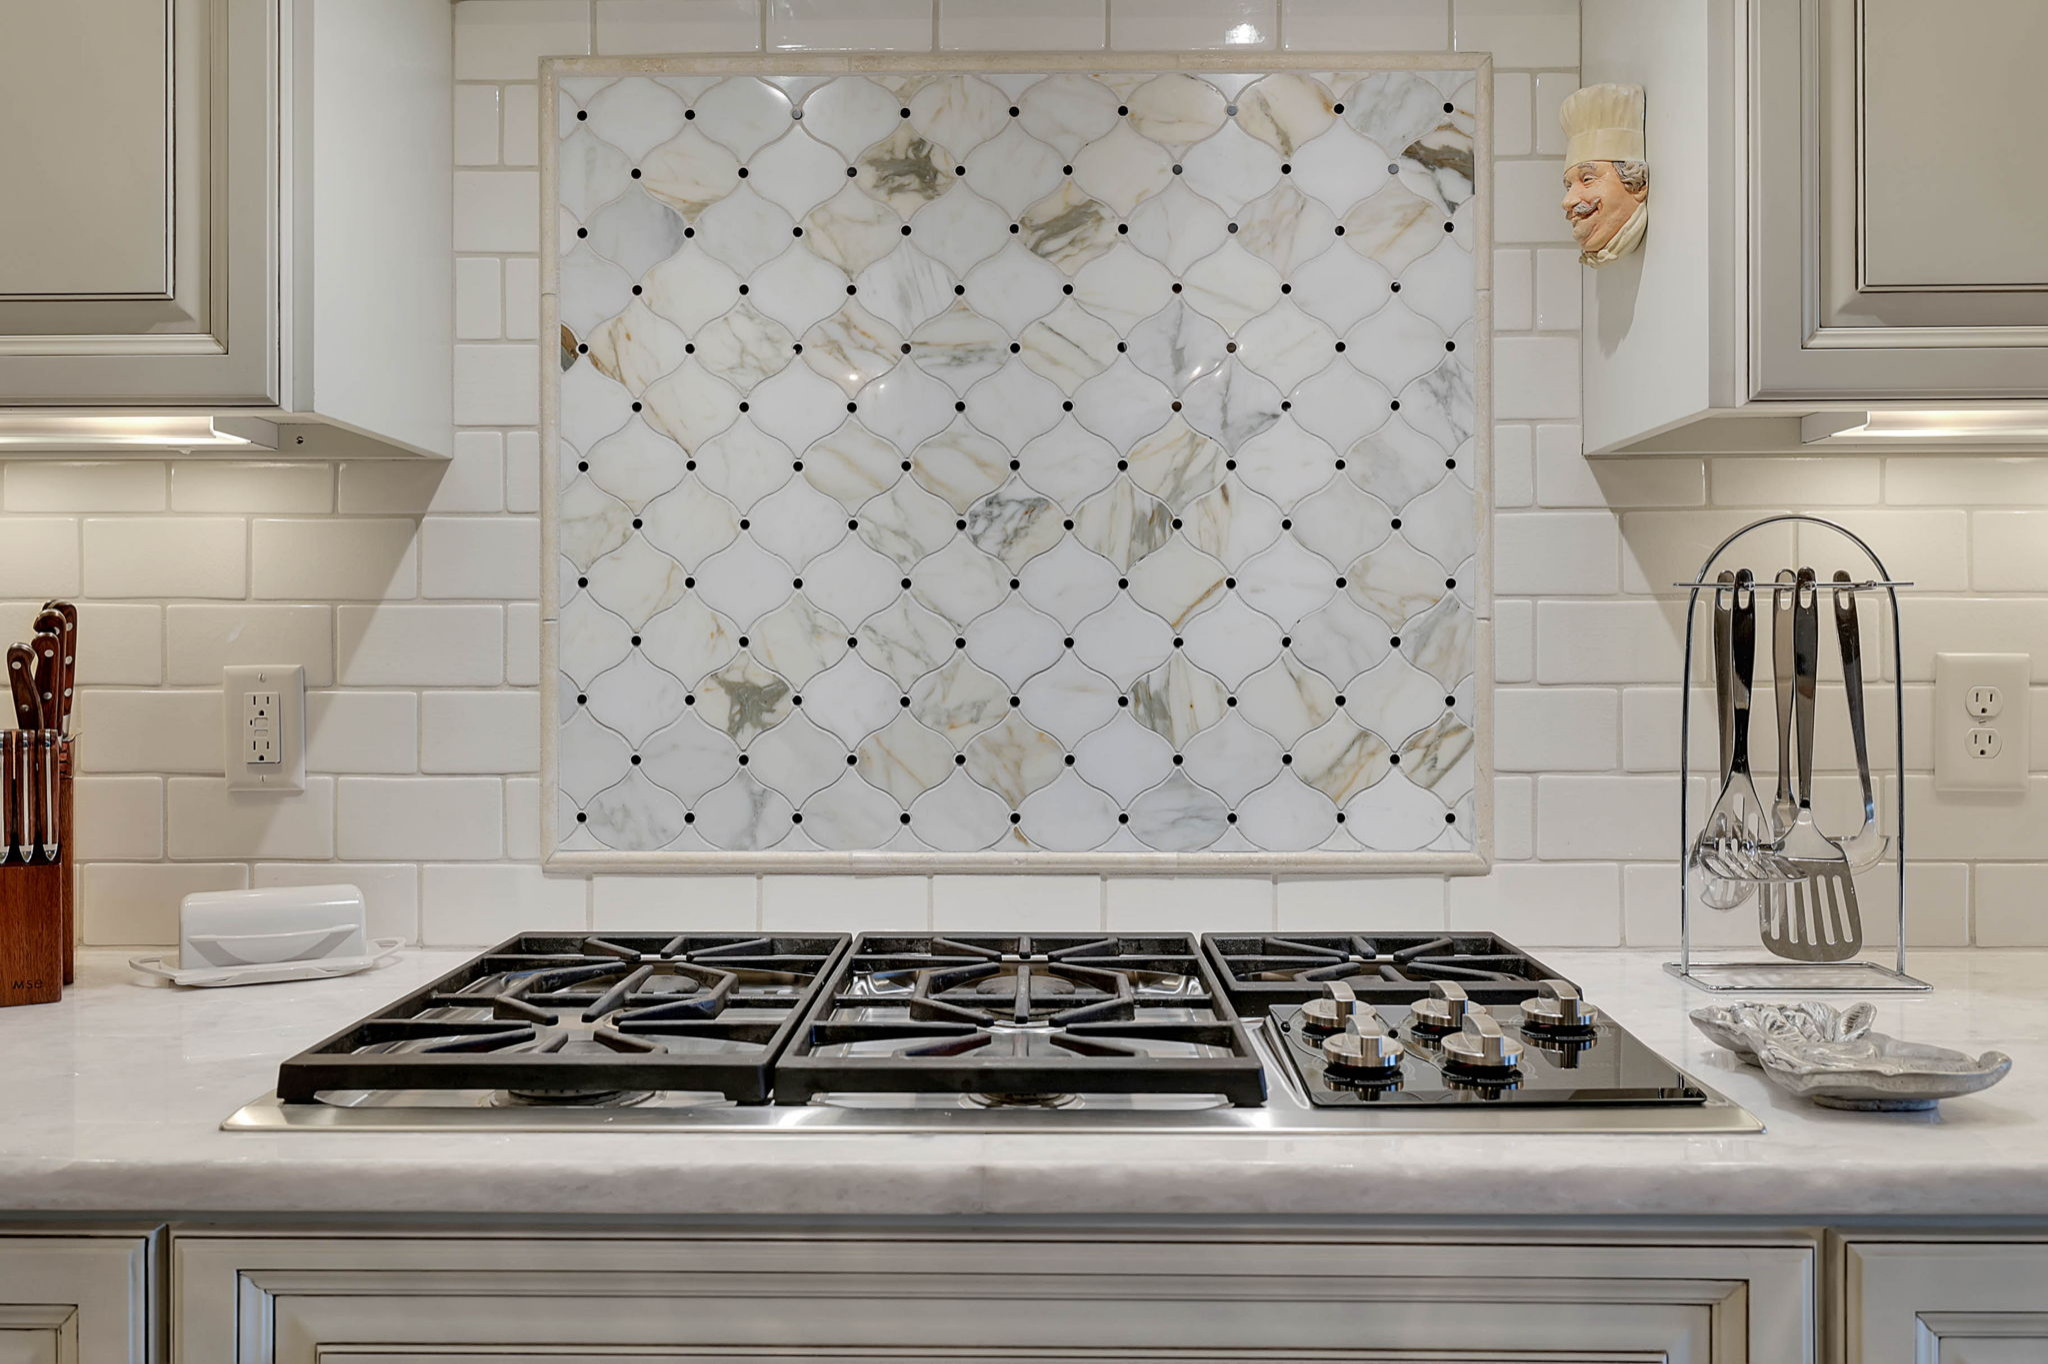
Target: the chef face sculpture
pixel 1600 197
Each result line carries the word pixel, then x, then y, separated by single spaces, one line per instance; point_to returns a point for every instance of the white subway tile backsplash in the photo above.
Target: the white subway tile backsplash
pixel 1514 640
pixel 39 555
pixel 1535 377
pixel 1966 480
pixel 109 486
pixel 522 644
pixel 1555 553
pixel 147 731
pixel 209 821
pixel 1551 89
pixel 634 27
pixel 1610 818
pixel 1192 25
pixel 135 904
pixel 1519 33
pixel 1514 818
pixel 1608 641
pixel 497 210
pixel 1558 279
pixel 201 640
pixel 1566 478
pixel 522 298
pixel 118 819
pixel 362 731
pixel 849 25
pixel 479 299
pixel 1190 904
pixel 1389 904
pixel 1525 208
pixel 391 890
pixel 472 479
pixel 209 485
pixel 497 40
pixel 1559 904
pixel 415 819
pixel 1000 25
pixel 2008 551
pixel 1514 471
pixel 658 904
pixel 480 731
pixel 1661 548
pixel 1555 729
pixel 333 558
pixel 497 385
pixel 1512 102
pixel 987 904
pixel 1365 25
pixel 480 557
pixel 479 906
pixel 522 819
pixel 522 471
pixel 476 125
pixel 122 644
pixel 2011 902
pixel 1794 480
pixel 189 556
pixel 844 904
pixel 1649 903
pixel 421 646
pixel 1930 548
pixel 522 125
pixel 1514 289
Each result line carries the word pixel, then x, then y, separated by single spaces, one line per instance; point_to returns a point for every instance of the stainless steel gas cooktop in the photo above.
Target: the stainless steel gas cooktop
pixel 1160 1033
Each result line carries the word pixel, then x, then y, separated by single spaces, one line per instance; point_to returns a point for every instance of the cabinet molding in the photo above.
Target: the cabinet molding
pixel 296 1299
pixel 79 1297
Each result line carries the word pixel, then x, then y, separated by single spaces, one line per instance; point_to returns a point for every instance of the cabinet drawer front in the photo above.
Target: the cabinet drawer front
pixel 78 1298
pixel 1943 1301
pixel 893 1300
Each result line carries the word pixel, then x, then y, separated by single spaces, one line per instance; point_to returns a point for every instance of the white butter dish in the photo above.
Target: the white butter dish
pixel 249 937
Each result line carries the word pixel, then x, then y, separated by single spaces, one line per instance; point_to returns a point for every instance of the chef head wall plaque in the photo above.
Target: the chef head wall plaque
pixel 1606 180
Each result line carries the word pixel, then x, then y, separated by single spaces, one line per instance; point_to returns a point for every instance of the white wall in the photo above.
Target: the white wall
pixel 409 591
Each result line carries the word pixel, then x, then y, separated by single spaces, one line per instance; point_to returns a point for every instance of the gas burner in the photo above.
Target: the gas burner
pixel 558 1020
pixel 570 1098
pixel 1023 1100
pixel 1386 968
pixel 1020 1021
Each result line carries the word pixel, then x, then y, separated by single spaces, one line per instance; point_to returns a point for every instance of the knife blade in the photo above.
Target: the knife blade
pixel 21 679
pixel 46 800
pixel 6 796
pixel 49 651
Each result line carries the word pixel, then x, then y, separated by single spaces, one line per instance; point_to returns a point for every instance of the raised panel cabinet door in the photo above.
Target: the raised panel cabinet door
pixel 965 1299
pixel 138 250
pixel 70 1297
pixel 1962 1300
pixel 1898 196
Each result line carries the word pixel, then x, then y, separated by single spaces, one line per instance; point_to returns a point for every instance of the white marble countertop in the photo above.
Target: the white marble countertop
pixel 113 1101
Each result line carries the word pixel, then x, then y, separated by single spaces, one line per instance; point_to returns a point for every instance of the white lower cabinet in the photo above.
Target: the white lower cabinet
pixel 78 1297
pixel 1942 1300
pixel 1194 1297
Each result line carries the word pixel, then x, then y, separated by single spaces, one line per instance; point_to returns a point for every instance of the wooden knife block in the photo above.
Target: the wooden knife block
pixel 36 912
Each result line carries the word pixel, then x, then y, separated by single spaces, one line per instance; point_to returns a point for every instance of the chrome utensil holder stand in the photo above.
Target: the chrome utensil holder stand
pixel 1778 974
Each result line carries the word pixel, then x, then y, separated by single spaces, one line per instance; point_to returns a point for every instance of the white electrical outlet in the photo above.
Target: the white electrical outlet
pixel 263 714
pixel 1980 721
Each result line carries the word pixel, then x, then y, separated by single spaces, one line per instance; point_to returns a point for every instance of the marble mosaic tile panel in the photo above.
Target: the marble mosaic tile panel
pixel 968 462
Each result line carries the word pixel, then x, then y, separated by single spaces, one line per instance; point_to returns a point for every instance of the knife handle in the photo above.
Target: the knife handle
pixel 49 651
pixel 21 680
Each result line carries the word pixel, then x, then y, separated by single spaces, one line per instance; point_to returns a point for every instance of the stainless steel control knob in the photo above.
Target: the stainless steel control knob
pixel 1365 1044
pixel 1444 1010
pixel 1557 1004
pixel 1481 1044
pixel 1330 1013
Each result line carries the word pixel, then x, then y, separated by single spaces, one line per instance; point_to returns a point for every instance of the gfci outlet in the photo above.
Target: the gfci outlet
pixel 1981 716
pixel 263 719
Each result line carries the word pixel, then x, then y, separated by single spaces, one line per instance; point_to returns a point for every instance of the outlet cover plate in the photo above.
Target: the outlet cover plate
pixel 288 683
pixel 1959 729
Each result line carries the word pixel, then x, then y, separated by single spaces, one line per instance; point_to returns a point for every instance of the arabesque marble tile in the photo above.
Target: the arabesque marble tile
pixel 998 462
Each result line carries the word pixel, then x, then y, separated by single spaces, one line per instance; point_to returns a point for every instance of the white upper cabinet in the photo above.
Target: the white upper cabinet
pixel 1845 244
pixel 225 213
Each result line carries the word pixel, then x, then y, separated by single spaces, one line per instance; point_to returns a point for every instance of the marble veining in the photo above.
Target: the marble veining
pixel 1011 462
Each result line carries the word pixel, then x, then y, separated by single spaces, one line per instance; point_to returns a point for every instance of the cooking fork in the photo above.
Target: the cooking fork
pixel 1735 841
pixel 1715 892
pixel 1819 918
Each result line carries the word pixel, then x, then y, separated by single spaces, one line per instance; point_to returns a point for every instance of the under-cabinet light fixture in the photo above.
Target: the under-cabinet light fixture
pixel 64 432
pixel 1980 426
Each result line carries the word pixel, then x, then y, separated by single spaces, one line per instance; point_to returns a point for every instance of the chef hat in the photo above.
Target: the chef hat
pixel 1603 123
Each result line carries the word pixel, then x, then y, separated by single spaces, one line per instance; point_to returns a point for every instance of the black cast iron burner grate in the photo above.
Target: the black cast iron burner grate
pixel 562 1016
pixel 1021 1019
pixel 1265 970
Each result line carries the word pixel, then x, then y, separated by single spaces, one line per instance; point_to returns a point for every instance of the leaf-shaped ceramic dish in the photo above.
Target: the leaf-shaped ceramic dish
pixel 1815 1051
